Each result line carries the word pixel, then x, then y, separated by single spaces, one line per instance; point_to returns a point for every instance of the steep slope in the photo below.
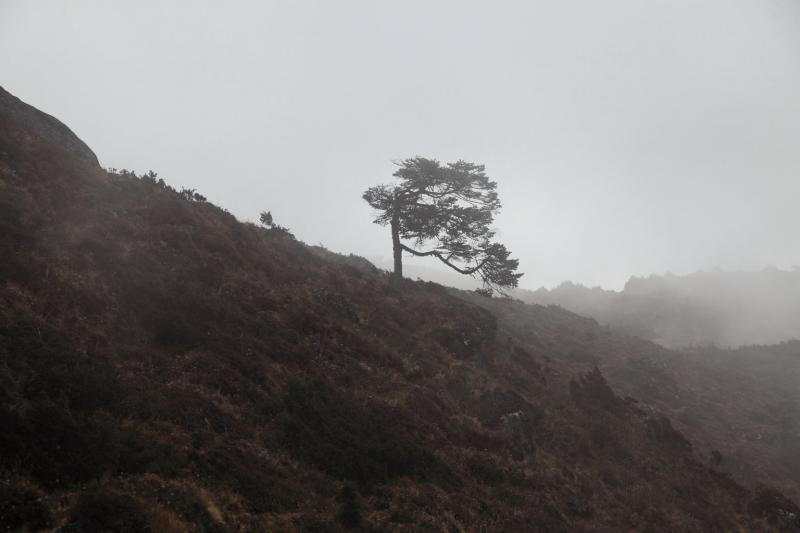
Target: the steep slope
pixel 724 308
pixel 165 367
pixel 744 403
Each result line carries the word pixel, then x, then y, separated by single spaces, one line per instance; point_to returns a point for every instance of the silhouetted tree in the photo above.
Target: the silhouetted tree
pixel 266 220
pixel 191 195
pixel 450 209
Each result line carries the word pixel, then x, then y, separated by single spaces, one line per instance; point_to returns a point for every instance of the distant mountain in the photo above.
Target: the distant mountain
pixel 726 309
pixel 164 367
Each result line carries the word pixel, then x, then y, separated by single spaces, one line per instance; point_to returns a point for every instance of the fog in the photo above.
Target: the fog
pixel 725 309
pixel 626 137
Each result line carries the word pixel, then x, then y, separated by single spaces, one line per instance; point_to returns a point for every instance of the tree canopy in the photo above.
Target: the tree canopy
pixel 446 212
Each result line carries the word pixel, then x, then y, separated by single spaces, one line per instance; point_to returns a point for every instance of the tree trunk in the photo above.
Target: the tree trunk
pixel 396 249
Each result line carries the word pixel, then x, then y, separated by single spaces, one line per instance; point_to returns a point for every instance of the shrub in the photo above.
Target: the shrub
pixel 776 508
pixel 349 508
pixel 348 440
pixel 660 429
pixel 21 509
pixel 266 220
pixel 191 195
pixel 107 510
pixel 68 431
pixel 591 391
pixel 262 488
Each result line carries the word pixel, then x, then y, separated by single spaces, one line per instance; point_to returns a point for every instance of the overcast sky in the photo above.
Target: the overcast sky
pixel 626 137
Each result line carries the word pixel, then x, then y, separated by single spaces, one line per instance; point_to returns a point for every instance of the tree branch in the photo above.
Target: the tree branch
pixel 444 260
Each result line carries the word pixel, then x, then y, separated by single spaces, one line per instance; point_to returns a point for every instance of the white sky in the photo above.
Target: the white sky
pixel 627 137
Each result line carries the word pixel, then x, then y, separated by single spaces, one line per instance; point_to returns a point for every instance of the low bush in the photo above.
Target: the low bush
pixel 107 510
pixel 591 391
pixel 59 422
pixel 22 509
pixel 350 515
pixel 660 429
pixel 348 440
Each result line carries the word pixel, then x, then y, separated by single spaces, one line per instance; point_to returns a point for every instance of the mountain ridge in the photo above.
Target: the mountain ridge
pixel 166 367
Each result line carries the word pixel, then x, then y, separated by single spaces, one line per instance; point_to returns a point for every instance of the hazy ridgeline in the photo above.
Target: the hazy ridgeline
pixel 727 309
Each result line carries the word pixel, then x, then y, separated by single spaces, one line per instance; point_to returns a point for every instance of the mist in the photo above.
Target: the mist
pixel 724 309
pixel 627 138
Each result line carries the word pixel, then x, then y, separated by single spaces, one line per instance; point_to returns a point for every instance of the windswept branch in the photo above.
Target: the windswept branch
pixel 445 260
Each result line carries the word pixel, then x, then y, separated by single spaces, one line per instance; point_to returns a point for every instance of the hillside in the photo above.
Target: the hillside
pixel 743 403
pixel 727 309
pixel 165 367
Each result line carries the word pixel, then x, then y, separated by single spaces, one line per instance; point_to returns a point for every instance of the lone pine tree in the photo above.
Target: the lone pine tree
pixel 445 211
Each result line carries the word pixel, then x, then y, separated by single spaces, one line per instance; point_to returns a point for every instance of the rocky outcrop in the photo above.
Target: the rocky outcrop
pixel 26 122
